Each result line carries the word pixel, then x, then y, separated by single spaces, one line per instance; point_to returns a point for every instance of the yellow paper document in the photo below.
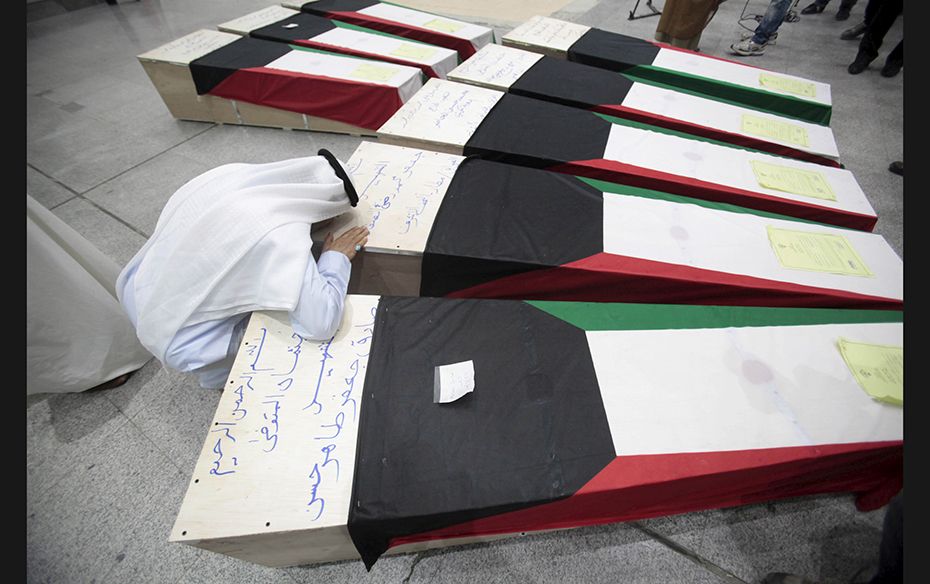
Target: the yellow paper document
pixel 807 183
pixel 879 369
pixel 786 84
pixel 817 252
pixel 411 51
pixel 375 73
pixel 443 25
pixel 775 129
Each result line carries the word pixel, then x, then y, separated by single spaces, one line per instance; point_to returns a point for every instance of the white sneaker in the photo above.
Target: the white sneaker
pixel 748 35
pixel 747 48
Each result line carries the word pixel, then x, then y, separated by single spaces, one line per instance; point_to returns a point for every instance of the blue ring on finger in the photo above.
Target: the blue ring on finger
pixel 358 247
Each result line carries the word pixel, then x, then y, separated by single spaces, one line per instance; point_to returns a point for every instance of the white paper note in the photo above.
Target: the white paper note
pixel 453 381
pixel 550 33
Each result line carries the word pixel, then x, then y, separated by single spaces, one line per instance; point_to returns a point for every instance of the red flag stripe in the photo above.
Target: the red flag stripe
pixel 606 277
pixel 367 105
pixel 613 171
pixel 643 486
pixel 464 46
pixel 712 133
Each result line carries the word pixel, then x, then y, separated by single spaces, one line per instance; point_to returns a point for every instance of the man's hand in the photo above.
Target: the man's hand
pixel 349 243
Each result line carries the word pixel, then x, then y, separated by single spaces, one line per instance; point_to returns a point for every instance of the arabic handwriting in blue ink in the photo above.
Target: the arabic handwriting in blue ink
pixel 218 450
pixel 379 172
pixel 226 431
pixel 324 347
pixel 315 479
pixel 238 403
pixel 347 394
pixel 384 204
pixel 339 420
pixel 327 450
pixel 294 350
pixel 271 436
pixel 413 214
pixel 374 220
pixel 408 169
pixel 258 353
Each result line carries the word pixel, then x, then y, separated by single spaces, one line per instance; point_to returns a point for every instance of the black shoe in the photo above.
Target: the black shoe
pixel 842 13
pixel 897 167
pixel 891 68
pixel 860 64
pixel 815 8
pixel 854 32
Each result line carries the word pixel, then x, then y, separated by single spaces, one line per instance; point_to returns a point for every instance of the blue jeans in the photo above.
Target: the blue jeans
pixel 774 16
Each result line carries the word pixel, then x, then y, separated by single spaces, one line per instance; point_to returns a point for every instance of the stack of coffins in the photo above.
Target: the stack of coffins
pixel 587 320
pixel 285 25
pixel 459 118
pixel 679 68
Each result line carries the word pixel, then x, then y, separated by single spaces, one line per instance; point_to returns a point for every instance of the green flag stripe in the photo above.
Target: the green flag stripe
pixel 717 97
pixel 732 93
pixel 603 316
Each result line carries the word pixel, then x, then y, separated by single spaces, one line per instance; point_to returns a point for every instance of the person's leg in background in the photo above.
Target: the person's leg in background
pixel 887 12
pixel 854 32
pixel 815 7
pixel 894 61
pixel 891 552
pixel 766 30
pixel 818 6
pixel 845 8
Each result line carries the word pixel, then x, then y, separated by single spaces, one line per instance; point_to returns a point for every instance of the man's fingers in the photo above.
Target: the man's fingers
pixel 354 235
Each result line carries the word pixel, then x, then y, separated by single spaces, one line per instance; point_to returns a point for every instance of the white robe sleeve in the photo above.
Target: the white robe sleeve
pixel 319 309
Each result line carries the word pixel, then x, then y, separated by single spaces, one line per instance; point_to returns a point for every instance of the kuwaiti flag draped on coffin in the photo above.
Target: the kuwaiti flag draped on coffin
pixel 530 132
pixel 593 413
pixel 316 32
pixel 680 68
pixel 463 37
pixel 573 84
pixel 505 231
pixel 354 91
